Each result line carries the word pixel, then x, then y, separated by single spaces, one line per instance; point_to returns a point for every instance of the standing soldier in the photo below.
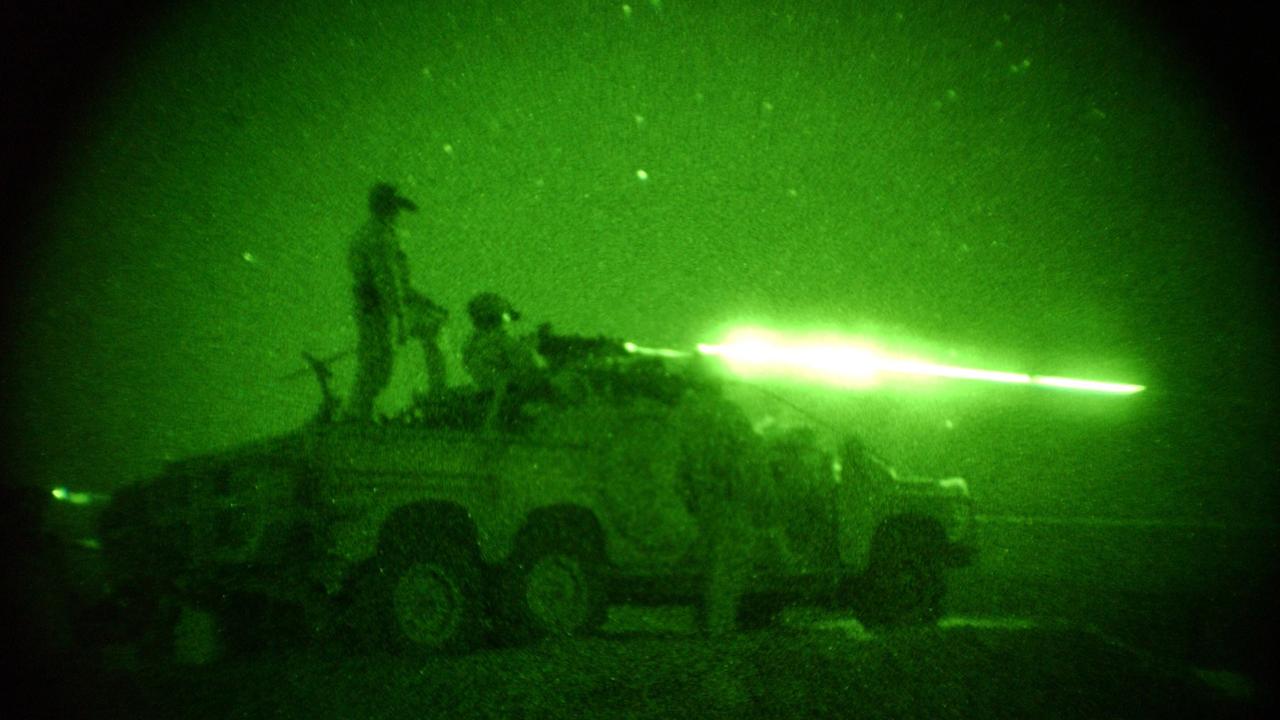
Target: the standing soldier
pixel 720 468
pixel 380 274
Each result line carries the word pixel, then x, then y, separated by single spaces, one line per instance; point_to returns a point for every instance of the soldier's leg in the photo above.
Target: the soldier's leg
pixel 434 359
pixel 373 356
pixel 494 417
pixel 721 603
pixel 726 574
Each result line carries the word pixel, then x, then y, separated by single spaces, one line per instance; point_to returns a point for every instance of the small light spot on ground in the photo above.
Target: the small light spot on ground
pixel 1234 686
pixel 987 623
pixel 847 625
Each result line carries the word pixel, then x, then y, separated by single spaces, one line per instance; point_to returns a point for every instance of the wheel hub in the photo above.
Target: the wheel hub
pixel 557 594
pixel 428 604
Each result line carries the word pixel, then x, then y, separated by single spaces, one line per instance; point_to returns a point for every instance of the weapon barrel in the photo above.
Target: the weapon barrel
pixel 561 350
pixel 314 363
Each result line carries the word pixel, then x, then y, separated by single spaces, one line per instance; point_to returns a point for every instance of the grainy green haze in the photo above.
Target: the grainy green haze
pixel 1035 187
pixel 1032 187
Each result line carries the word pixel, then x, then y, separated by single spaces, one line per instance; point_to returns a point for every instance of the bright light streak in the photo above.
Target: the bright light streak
pixel 751 352
pixel 755 352
pixel 1089 385
pixel 916 367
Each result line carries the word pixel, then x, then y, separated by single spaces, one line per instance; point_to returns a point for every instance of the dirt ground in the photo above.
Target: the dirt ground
pixel 810 667
pixel 1128 643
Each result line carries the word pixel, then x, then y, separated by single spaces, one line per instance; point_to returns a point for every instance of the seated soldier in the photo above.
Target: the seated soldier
pixel 507 367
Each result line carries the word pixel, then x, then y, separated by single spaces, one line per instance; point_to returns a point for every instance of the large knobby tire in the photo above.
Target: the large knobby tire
pixel 906 582
pixel 554 586
pixel 432 604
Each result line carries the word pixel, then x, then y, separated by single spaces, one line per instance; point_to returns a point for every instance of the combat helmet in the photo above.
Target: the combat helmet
pixel 385 201
pixel 488 310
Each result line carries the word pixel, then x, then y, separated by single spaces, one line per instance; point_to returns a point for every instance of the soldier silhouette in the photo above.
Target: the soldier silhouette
pixel 380 276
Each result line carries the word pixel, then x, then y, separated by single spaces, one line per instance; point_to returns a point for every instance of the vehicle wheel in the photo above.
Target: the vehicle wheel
pixel 555 588
pixel 433 605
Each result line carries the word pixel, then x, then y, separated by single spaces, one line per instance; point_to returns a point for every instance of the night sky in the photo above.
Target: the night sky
pixel 1022 186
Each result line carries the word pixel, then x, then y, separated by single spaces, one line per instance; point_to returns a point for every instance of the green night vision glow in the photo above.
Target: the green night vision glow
pixel 62 494
pixel 752 352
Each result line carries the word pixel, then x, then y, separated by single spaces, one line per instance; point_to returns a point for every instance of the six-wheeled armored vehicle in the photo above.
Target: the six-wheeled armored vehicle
pixel 431 529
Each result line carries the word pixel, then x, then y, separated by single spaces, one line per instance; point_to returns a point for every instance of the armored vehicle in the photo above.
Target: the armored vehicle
pixel 432 528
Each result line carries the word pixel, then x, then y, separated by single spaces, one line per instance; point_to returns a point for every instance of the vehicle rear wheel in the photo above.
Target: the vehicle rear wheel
pixel 555 588
pixel 432 605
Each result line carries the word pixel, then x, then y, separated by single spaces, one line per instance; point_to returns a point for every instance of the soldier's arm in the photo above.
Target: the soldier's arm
pixel 520 358
pixel 387 278
pixel 401 267
pixel 529 355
